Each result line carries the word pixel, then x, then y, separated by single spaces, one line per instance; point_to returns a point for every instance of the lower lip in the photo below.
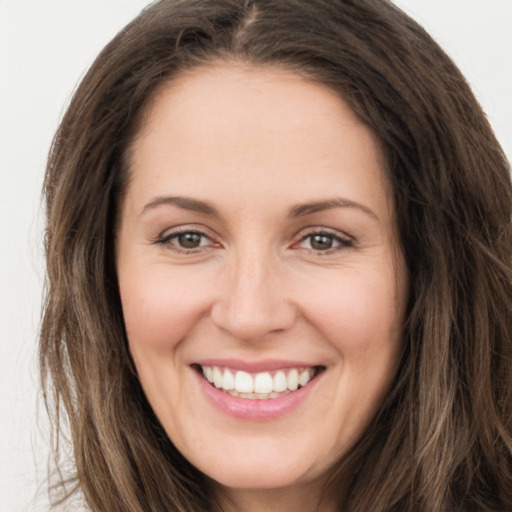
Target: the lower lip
pixel 254 410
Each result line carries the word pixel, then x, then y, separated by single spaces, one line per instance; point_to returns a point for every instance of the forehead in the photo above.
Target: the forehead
pixel 245 126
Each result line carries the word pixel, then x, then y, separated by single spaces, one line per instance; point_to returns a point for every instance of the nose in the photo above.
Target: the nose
pixel 252 302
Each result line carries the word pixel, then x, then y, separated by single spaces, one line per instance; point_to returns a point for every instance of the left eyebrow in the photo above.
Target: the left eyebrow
pixel 318 206
pixel 186 203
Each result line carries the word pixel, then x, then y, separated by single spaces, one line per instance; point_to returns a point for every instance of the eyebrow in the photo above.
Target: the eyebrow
pixel 187 203
pixel 318 206
pixel 300 210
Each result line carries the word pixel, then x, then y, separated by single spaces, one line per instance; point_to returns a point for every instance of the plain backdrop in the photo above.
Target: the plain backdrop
pixel 45 47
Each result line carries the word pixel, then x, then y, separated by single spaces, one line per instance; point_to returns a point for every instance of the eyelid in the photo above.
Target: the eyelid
pixel 345 241
pixel 168 234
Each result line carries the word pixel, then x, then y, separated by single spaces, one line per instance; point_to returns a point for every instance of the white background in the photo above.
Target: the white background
pixel 45 47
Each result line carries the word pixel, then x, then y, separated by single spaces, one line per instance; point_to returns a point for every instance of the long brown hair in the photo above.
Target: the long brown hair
pixel 442 440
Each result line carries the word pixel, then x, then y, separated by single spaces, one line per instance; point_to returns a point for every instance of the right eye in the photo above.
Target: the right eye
pixel 189 240
pixel 186 241
pixel 324 242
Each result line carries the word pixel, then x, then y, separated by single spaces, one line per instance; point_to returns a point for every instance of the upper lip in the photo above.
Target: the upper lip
pixel 256 366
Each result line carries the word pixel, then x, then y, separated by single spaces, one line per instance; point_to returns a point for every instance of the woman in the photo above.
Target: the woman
pixel 279 267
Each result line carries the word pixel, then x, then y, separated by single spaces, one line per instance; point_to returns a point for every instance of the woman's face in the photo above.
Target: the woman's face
pixel 257 249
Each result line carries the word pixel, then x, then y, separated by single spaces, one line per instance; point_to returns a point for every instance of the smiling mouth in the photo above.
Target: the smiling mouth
pixel 258 386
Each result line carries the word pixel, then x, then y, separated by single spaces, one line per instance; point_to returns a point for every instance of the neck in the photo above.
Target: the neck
pixel 300 498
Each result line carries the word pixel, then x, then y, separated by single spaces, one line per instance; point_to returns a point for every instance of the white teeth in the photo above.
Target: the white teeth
pixel 293 380
pixel 228 382
pixel 280 383
pixel 263 383
pixel 305 377
pixel 217 377
pixel 244 383
pixel 249 396
pixel 260 385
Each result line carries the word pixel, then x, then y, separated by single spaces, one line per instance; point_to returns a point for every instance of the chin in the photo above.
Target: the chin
pixel 263 463
pixel 251 477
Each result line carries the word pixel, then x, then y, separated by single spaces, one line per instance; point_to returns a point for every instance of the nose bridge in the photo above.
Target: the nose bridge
pixel 253 282
pixel 253 302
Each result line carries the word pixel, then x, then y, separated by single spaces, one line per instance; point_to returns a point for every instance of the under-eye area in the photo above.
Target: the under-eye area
pixel 261 385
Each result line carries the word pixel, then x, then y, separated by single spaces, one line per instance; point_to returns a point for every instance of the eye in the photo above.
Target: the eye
pixel 189 240
pixel 321 242
pixel 324 242
pixel 185 241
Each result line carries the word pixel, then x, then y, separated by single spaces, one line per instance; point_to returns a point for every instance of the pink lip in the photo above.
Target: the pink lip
pixel 255 410
pixel 254 366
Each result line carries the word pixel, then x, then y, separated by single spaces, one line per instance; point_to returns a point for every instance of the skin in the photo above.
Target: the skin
pixel 254 143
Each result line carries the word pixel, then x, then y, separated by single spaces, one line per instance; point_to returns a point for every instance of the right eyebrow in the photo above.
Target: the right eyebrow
pixel 317 206
pixel 187 203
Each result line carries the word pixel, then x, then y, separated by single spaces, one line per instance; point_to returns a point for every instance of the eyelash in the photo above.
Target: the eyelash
pixel 342 242
pixel 167 241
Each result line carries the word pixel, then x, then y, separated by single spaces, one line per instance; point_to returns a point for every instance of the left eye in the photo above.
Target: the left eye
pixel 187 240
pixel 323 242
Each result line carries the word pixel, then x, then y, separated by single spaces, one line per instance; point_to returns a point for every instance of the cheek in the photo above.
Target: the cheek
pixel 159 310
pixel 359 313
